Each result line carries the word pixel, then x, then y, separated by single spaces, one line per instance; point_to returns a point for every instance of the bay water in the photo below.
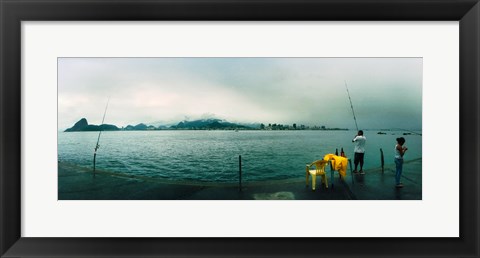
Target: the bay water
pixel 213 156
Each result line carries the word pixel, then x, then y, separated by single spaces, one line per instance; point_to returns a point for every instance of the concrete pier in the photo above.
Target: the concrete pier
pixel 78 183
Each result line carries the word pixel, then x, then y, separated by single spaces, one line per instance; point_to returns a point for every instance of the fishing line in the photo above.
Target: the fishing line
pixel 351 106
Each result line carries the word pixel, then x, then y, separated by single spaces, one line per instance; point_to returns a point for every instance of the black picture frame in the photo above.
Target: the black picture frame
pixel 13 12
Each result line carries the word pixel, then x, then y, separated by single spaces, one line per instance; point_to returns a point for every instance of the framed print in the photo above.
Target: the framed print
pixel 206 128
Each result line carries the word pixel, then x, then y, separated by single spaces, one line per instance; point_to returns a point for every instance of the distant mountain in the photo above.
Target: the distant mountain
pixel 252 125
pixel 78 126
pixel 82 126
pixel 201 124
pixel 140 127
pixel 211 123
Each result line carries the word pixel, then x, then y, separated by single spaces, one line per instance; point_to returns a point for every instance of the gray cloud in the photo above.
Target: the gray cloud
pixel 386 92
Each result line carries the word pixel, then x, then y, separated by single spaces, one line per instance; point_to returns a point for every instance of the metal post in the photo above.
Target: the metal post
pixel 331 173
pixel 240 173
pixel 381 159
pixel 351 171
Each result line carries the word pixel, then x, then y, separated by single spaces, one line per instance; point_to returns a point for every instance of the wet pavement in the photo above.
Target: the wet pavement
pixel 78 183
pixel 378 185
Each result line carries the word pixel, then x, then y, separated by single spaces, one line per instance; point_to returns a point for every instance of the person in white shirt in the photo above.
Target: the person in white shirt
pixel 359 150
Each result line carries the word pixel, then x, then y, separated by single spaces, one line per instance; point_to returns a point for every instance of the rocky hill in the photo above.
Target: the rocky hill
pixel 82 126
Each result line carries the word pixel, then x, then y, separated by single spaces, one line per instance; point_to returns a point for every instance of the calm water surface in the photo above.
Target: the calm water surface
pixel 213 155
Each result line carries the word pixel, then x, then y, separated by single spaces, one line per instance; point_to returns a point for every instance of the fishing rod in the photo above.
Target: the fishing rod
pixel 98 139
pixel 351 105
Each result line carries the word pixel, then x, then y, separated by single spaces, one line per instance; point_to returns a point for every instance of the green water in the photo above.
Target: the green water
pixel 213 156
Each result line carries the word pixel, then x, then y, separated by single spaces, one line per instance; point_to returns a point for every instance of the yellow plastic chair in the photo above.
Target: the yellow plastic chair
pixel 319 170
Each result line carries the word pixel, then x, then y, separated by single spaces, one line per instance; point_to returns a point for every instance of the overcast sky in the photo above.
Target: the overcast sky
pixel 385 92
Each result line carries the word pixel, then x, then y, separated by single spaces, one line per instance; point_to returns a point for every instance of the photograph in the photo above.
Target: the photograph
pixel 239 128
